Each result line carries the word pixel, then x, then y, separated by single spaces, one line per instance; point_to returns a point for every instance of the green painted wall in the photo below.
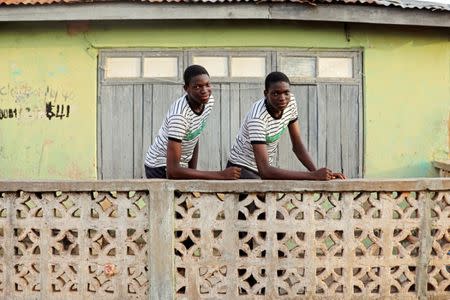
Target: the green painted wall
pixel 406 73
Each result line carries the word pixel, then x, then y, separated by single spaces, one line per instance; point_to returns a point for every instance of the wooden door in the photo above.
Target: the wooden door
pixel 131 111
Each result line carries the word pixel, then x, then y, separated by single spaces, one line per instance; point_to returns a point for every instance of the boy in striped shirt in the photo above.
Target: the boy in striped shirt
pixel 256 143
pixel 174 153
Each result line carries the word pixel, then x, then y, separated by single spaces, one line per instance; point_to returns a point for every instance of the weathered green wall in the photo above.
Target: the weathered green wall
pixel 406 73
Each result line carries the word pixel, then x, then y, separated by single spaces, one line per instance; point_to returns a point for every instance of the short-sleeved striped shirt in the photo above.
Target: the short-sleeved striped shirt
pixel 181 124
pixel 259 127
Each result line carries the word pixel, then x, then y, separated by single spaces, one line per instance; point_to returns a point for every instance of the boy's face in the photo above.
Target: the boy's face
pixel 199 89
pixel 278 95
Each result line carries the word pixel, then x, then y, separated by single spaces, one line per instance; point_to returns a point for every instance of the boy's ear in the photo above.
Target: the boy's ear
pixel 265 93
pixel 185 87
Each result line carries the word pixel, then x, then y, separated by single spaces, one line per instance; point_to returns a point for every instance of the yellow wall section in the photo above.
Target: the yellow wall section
pixel 41 65
pixel 406 86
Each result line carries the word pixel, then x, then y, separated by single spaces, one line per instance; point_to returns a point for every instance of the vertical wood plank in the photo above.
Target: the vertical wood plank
pixel 302 96
pixel 358 74
pixel 147 121
pixel 99 128
pixel 122 132
pixel 321 125
pixel 138 161
pixel 163 97
pixel 350 142
pixel 106 141
pixel 287 158
pixel 249 94
pixel 333 121
pixel 313 124
pixel 361 167
pixel 209 142
pixel 226 139
pixel 235 117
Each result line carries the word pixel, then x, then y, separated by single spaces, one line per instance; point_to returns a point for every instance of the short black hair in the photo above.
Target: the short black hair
pixel 275 77
pixel 192 71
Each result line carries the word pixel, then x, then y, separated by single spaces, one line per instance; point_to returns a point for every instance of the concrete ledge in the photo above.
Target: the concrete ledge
pixel 214 186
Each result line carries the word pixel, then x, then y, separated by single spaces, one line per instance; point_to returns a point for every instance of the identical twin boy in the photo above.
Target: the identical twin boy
pixel 174 153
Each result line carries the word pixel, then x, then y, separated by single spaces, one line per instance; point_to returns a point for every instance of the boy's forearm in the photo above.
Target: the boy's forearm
pixel 277 173
pixel 193 162
pixel 304 157
pixel 307 162
pixel 188 173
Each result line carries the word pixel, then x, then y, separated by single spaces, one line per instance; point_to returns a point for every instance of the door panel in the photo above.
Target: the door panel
pixel 329 126
pixel 287 158
pixel 138 104
pixel 147 123
pixel 117 132
pixel 210 140
pixel 333 128
pixel 350 126
pixel 163 97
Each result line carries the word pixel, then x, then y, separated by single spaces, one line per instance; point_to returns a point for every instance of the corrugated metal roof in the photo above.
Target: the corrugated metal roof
pixel 400 3
pixel 429 5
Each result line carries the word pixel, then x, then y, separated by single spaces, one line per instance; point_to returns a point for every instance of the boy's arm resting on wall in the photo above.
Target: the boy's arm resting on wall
pixel 299 148
pixel 193 162
pixel 266 171
pixel 175 171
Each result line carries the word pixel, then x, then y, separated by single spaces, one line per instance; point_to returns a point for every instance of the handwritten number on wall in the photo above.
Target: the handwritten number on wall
pixel 8 113
pixel 61 110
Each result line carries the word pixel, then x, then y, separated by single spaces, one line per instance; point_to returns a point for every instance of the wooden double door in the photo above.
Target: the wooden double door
pixel 131 111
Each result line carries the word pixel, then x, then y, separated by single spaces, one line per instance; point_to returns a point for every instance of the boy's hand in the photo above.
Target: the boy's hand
pixel 231 173
pixel 322 174
pixel 338 176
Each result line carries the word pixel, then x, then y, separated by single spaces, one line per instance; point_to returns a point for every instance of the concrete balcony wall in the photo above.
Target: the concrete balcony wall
pixel 353 239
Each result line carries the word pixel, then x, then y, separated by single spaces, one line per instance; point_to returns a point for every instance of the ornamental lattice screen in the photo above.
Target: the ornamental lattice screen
pixel 355 239
pixel 315 244
pixel 71 245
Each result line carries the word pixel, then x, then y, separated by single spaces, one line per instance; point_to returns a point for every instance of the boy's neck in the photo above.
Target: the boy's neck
pixel 276 114
pixel 196 107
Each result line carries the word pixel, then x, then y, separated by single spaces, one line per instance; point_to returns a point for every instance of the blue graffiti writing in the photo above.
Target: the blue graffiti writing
pixel 23 93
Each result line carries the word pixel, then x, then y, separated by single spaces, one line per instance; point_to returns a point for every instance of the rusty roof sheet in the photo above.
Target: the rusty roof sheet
pixel 417 4
pixel 431 5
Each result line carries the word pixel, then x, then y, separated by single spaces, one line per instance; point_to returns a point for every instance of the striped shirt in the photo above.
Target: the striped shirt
pixel 181 124
pixel 259 127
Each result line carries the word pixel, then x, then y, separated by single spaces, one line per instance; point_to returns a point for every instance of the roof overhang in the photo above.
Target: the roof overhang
pixel 236 11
